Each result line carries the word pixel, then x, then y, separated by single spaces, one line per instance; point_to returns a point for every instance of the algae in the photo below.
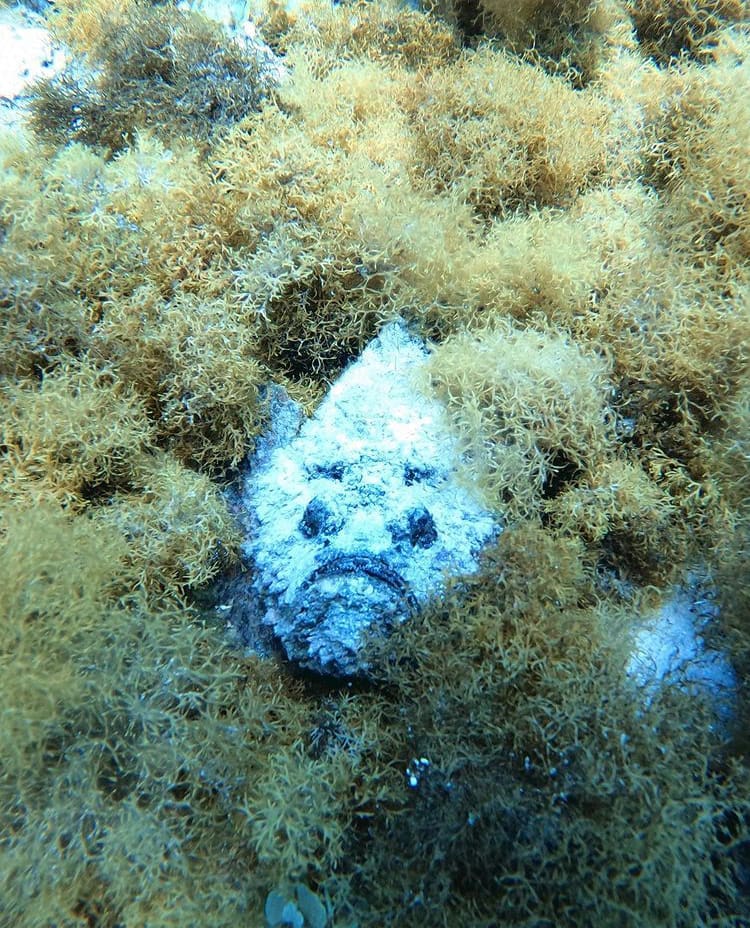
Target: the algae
pixel 556 197
pixel 146 66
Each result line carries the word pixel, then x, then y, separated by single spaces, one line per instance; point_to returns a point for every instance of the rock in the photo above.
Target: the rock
pixel 354 517
pixel 28 54
pixel 298 907
pixel 670 649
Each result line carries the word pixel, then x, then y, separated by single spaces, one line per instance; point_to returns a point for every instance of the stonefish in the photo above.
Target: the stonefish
pixel 354 517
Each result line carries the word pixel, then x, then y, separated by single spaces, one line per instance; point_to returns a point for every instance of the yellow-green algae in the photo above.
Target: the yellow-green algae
pixel 556 195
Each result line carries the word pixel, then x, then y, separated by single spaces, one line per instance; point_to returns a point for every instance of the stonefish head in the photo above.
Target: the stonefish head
pixel 355 516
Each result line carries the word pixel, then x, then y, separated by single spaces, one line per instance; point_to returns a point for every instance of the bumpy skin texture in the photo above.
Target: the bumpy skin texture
pixel 354 519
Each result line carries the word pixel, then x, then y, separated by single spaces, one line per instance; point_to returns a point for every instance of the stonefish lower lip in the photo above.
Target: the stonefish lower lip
pixel 342 596
pixel 374 567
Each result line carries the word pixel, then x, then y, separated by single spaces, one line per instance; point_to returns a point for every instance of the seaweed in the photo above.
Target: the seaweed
pixel 479 136
pixel 670 30
pixel 146 67
pixel 530 407
pixel 537 788
pixel 558 203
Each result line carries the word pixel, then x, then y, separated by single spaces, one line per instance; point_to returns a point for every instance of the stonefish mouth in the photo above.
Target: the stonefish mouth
pixel 340 600
pixel 366 565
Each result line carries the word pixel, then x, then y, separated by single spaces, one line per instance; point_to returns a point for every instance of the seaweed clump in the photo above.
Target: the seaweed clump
pixel 565 220
pixel 669 30
pixel 533 409
pixel 537 787
pixel 476 137
pixel 139 758
pixel 146 67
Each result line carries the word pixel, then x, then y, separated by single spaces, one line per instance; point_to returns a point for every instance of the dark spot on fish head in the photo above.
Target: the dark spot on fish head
pixel 415 474
pixel 332 471
pixel 418 529
pixel 422 531
pixel 318 519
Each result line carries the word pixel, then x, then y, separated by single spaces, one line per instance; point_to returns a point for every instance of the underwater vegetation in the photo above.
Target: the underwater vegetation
pixel 554 196
pixel 159 68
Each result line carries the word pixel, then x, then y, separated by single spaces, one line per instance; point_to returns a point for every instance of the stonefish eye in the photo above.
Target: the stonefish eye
pixel 317 519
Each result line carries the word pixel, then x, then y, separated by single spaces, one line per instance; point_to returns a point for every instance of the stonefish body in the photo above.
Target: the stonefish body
pixel 355 516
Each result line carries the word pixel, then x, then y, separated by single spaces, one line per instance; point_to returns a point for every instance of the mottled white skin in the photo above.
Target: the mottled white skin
pixel 357 519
